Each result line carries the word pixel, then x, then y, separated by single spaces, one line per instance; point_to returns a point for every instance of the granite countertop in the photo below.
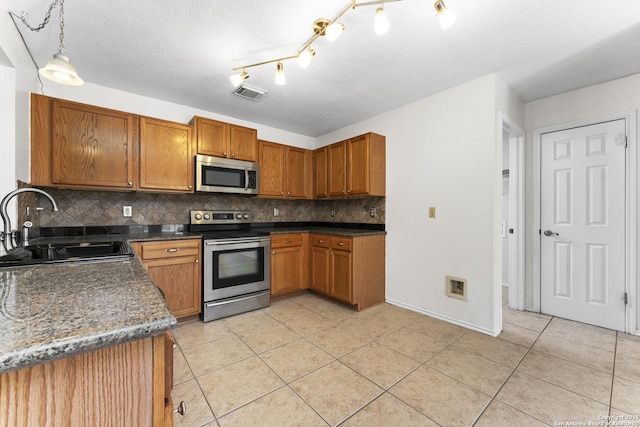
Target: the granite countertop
pixel 49 312
pixel 350 232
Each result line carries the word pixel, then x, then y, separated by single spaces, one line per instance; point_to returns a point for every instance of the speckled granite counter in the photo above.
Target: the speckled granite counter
pixel 53 311
pixel 350 232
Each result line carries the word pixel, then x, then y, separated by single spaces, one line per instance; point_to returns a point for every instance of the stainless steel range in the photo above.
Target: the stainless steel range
pixel 237 263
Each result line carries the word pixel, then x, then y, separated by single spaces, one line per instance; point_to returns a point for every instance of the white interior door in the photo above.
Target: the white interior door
pixel 582 220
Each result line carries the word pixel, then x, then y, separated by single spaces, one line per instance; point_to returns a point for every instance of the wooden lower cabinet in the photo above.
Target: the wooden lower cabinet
pixel 174 266
pixel 121 385
pixel 289 265
pixel 351 269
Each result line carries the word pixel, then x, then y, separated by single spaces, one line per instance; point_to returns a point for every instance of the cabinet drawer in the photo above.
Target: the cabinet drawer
pixel 320 241
pixel 169 249
pixel 341 243
pixel 286 240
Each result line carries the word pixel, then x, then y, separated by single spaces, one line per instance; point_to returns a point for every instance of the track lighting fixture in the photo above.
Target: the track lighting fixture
pixel 445 15
pixel 332 29
pixel 280 80
pixel 236 79
pixel 59 69
pixel 381 22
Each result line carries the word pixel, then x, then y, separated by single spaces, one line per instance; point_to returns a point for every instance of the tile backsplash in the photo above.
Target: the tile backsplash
pixel 96 208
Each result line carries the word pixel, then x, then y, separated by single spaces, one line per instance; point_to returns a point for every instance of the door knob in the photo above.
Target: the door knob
pixel 550 233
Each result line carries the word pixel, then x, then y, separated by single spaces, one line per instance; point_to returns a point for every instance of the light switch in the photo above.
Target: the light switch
pixel 432 212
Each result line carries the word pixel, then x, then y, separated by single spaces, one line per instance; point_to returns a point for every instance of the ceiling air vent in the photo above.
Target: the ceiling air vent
pixel 248 92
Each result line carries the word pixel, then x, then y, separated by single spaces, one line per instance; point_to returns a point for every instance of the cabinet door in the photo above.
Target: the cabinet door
pixel 243 143
pixel 320 269
pixel 212 137
pixel 358 165
pixel 271 169
pixel 91 146
pixel 179 279
pixel 166 156
pixel 341 286
pixel 337 171
pixel 296 172
pixel 320 173
pixel 286 270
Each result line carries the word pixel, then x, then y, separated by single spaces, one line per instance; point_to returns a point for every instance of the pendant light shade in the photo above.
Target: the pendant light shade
pixel 381 23
pixel 60 70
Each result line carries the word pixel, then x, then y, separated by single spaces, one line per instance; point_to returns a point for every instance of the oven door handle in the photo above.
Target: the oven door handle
pixel 234 242
pixel 234 300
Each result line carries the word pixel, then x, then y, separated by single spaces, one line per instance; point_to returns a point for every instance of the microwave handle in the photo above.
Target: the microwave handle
pixel 246 179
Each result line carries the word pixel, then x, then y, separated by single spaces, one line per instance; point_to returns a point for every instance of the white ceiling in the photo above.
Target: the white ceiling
pixel 183 51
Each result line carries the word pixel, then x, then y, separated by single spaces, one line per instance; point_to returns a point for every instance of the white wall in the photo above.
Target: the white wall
pixel 608 98
pixel 443 151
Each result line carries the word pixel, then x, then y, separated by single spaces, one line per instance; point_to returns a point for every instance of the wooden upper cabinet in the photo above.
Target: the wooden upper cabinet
pixel 166 156
pixel 355 167
pixel 220 139
pixel 337 169
pixel 75 144
pixel 284 170
pixel 320 189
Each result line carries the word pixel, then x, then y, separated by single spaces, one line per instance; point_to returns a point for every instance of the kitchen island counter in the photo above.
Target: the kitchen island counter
pixel 49 312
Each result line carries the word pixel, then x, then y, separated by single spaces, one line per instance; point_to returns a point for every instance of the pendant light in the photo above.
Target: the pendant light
pixel 381 22
pixel 445 15
pixel 305 57
pixel 280 80
pixel 59 69
pixel 334 31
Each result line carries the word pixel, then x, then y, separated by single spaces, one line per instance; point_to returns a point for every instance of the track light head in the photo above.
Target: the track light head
pixel 280 79
pixel 445 15
pixel 236 79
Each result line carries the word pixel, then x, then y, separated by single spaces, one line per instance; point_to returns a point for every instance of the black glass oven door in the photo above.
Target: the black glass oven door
pixel 237 267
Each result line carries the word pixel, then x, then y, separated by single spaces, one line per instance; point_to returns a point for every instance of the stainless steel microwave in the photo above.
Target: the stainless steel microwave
pixel 216 175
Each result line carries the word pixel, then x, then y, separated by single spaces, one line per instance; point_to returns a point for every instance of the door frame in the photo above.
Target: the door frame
pixel 631 211
pixel 516 210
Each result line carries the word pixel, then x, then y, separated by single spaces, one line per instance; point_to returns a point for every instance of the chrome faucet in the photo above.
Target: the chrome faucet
pixel 7 235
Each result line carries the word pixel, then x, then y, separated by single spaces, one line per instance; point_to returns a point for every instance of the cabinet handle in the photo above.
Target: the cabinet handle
pixel 224 154
pixel 233 154
pixel 172 250
pixel 282 193
pixel 341 243
pixel 190 187
pixel 197 261
pixel 319 241
pixel 273 253
pixel 130 184
pixel 286 241
pixel 181 409
pixel 348 191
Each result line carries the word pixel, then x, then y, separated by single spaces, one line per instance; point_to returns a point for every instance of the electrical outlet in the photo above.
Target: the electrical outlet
pixel 373 212
pixel 333 213
pixel 127 212
pixel 432 212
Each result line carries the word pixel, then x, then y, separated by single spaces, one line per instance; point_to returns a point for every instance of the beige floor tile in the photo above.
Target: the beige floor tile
pixel 230 387
pixel 562 345
pixel 628 368
pixel 195 333
pixel 198 412
pixel 400 316
pixel 181 370
pixel 268 337
pixel 525 319
pixel 335 391
pixel 280 408
pixel 296 359
pixel 594 336
pixel 371 326
pixel 626 396
pixel 438 397
pixel 286 309
pixel 380 364
pixel 568 375
pixel 387 410
pixel 628 346
pixel 337 340
pixel 518 335
pixel 494 349
pixel 315 303
pixel 337 312
pixel 308 323
pixel 500 415
pixel 548 402
pixel 208 357
pixel 472 370
pixel 442 331
pixel 247 321
pixel 418 346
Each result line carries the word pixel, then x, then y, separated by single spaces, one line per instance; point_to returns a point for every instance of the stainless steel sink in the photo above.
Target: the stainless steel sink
pixel 48 253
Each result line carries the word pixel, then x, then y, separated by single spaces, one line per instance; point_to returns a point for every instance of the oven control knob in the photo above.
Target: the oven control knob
pixel 245 216
pixel 198 217
pixel 207 216
pixel 239 216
